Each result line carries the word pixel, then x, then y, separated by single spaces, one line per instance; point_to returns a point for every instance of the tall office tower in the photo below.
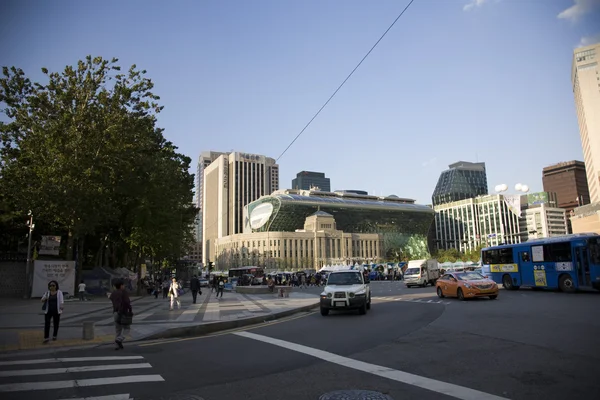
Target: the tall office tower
pixel 306 179
pixel 230 183
pixel 205 159
pixel 568 180
pixel 585 76
pixel 463 180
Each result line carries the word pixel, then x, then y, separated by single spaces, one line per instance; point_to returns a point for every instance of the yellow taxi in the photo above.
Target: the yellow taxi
pixel 466 285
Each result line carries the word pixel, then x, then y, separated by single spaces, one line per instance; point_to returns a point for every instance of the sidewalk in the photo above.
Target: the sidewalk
pixel 22 321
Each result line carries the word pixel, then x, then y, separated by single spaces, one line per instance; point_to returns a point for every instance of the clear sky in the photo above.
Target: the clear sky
pixel 472 80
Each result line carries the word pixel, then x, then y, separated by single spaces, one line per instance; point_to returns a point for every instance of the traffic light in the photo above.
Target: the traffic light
pixel 210 266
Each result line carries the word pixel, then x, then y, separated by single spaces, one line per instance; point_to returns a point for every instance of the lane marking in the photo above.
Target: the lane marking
pixel 19 387
pixel 72 359
pixel 448 389
pixel 50 371
pixel 228 332
pixel 124 396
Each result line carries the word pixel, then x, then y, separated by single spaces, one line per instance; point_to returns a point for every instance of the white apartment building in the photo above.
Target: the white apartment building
pixel 231 182
pixel 543 221
pixel 485 220
pixel 585 77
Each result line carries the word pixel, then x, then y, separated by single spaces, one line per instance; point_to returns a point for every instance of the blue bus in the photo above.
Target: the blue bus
pixel 566 262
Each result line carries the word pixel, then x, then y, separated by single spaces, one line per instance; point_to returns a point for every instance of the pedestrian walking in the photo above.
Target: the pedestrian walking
pixel 54 302
pixel 220 287
pixel 81 291
pixel 174 293
pixel 122 313
pixel 165 288
pixel 195 288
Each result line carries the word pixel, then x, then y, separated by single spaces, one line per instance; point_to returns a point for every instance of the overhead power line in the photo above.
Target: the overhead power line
pixel 345 80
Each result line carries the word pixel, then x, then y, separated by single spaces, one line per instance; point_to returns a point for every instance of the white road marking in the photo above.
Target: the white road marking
pixel 50 371
pixel 124 396
pixel 72 359
pixel 190 314
pixel 448 389
pixel 18 387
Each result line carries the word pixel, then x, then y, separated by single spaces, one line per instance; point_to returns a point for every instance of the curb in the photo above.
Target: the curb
pixel 186 331
pixel 204 329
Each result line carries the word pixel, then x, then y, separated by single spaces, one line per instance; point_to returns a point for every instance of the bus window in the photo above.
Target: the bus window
pixel 525 256
pixel 558 252
pixel 489 256
pixel 595 251
pixel 506 256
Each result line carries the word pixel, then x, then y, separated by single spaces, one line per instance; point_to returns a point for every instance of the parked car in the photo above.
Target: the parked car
pixel 466 285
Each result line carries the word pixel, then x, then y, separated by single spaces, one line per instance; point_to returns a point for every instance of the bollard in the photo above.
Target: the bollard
pixel 88 330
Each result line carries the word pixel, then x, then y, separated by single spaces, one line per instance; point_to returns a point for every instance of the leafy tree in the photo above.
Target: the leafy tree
pixel 83 152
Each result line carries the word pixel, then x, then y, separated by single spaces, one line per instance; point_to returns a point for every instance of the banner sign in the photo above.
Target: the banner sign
pixel 50 245
pixel 45 271
pixel 513 202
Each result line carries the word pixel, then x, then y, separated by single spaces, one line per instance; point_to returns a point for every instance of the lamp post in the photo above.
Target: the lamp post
pixel 28 273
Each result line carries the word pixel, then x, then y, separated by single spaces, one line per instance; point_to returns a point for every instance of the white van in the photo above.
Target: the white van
pixel 421 273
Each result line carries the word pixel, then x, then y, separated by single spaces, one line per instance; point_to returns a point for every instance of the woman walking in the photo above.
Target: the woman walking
pixel 54 304
pixel 174 294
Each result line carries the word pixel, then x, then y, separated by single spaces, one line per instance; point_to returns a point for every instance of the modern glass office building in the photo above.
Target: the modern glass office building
pixel 402 224
pixel 463 180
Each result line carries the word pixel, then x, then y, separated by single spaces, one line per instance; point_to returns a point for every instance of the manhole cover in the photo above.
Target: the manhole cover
pixel 354 395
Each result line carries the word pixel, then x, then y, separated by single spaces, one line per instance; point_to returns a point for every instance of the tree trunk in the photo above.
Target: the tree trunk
pixel 138 268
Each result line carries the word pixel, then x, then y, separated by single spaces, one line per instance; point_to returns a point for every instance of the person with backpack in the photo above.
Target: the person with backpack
pixel 220 287
pixel 122 313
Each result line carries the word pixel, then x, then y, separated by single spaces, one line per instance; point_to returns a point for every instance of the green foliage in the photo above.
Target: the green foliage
pixel 83 152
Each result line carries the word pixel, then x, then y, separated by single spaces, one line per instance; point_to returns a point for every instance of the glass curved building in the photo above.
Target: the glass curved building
pixel 403 225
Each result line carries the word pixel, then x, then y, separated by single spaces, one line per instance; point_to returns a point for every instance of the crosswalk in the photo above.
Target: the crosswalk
pixel 70 377
pixel 412 300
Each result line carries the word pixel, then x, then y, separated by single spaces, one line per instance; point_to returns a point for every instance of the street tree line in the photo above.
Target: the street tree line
pixel 84 153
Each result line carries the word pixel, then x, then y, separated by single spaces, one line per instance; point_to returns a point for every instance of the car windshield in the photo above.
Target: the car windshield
pixel 469 276
pixel 345 278
pixel 412 271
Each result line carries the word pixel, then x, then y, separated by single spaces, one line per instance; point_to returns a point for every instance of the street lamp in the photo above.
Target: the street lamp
pixel 28 266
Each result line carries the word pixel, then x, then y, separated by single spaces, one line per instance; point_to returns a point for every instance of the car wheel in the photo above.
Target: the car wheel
pixel 369 303
pixel 324 312
pixel 494 297
pixel 460 294
pixel 363 309
pixel 440 292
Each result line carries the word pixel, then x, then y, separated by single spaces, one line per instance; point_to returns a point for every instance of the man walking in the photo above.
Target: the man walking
pixel 195 288
pixel 121 312
pixel 220 287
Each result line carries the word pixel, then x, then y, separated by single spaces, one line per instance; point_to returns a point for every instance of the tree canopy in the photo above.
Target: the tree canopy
pixel 83 152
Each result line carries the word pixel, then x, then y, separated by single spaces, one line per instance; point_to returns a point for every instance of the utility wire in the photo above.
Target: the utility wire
pixel 345 80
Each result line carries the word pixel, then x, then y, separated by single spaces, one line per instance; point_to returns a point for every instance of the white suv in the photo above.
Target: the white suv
pixel 346 289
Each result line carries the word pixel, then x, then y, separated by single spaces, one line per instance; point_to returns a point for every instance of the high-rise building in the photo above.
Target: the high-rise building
pixel 463 180
pixel 541 217
pixel 231 182
pixel 568 180
pixel 306 180
pixel 585 77
pixel 485 220
pixel 205 159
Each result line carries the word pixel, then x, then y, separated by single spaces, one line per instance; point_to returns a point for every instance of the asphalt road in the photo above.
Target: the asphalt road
pixel 411 345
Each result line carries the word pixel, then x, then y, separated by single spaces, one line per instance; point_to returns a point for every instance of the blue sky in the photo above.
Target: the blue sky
pixel 472 80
